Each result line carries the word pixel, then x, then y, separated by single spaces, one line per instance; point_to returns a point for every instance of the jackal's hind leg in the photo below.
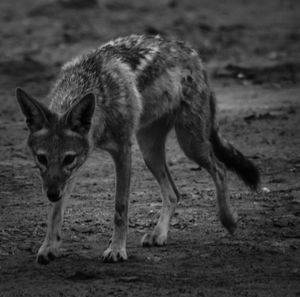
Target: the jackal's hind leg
pixel 152 144
pixel 199 149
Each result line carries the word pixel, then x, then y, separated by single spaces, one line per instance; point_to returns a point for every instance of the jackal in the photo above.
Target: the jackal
pixel 136 86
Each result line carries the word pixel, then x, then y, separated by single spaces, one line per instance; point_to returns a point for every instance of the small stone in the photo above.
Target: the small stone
pixel 265 190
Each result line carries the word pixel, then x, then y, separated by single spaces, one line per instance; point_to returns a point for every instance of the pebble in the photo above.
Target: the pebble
pixel 265 190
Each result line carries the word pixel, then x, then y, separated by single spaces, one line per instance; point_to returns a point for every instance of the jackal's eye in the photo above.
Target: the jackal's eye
pixel 42 159
pixel 69 159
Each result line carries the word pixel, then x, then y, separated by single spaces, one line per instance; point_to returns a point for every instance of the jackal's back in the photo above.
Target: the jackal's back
pixel 140 78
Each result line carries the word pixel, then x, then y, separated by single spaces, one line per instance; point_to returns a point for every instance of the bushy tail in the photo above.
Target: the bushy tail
pixel 235 160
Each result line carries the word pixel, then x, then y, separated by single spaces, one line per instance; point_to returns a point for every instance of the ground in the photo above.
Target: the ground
pixel 251 50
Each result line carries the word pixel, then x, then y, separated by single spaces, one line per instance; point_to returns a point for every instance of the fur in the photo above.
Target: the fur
pixel 139 86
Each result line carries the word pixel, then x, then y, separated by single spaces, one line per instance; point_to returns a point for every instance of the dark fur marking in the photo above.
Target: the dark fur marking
pixel 131 56
pixel 151 73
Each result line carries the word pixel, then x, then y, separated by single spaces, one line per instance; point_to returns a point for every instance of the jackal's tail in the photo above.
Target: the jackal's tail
pixel 234 160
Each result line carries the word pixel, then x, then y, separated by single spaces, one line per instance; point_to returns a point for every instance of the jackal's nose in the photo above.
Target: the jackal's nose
pixel 53 195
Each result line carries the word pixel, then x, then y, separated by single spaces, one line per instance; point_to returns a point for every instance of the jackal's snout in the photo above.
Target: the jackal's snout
pixel 53 195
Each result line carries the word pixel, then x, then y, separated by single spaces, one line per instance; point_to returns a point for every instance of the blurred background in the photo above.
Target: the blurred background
pixel 254 34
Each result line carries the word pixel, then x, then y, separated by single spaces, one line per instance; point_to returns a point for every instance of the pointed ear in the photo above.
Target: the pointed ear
pixel 37 115
pixel 79 117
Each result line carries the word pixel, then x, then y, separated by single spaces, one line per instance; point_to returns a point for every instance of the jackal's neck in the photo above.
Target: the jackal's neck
pixel 70 87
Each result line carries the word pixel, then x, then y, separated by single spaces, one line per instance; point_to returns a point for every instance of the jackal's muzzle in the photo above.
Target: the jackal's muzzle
pixel 53 195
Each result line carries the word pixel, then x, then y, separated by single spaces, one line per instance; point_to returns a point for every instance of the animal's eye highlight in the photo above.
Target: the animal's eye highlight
pixel 69 159
pixel 42 159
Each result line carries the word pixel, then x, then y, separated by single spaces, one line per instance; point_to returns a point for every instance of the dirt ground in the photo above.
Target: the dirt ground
pixel 251 50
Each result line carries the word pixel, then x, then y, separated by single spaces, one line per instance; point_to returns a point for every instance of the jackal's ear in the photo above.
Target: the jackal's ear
pixel 37 115
pixel 79 117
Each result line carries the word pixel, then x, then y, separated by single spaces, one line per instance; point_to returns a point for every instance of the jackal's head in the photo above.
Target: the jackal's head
pixel 59 143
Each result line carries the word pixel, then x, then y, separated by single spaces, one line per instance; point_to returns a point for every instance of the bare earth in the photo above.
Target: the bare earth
pixel 252 51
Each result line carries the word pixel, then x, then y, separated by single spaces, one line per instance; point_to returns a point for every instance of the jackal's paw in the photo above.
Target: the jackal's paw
pixel 154 240
pixel 45 256
pixel 229 221
pixel 114 254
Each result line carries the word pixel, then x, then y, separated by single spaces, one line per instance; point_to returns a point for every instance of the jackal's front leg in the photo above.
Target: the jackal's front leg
pixel 49 249
pixel 117 247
